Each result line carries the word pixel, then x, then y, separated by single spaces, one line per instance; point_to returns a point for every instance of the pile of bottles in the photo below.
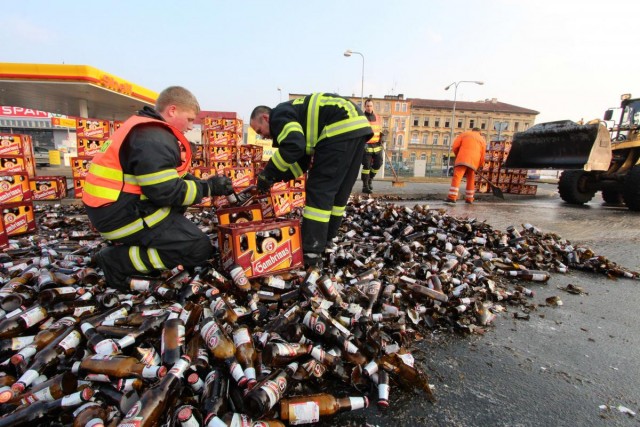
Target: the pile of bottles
pixel 210 347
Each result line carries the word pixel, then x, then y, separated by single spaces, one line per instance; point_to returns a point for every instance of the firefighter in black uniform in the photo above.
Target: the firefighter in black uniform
pixel 331 131
pixel 138 188
pixel 372 159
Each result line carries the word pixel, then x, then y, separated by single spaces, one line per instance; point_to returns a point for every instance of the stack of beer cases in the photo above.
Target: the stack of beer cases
pixel 512 181
pixel 91 135
pixel 17 167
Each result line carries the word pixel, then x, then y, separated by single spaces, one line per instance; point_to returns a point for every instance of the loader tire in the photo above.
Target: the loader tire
pixel 574 187
pixel 612 197
pixel 631 189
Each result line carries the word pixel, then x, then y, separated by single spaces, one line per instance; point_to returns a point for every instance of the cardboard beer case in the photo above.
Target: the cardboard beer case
pixel 261 248
pixel 80 166
pixel 237 214
pixel 92 128
pixel 89 147
pixel 48 187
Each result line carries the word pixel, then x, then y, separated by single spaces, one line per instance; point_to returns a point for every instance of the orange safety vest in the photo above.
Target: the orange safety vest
pixel 377 129
pixel 106 179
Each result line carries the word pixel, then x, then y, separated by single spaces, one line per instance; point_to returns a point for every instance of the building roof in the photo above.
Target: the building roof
pixel 489 105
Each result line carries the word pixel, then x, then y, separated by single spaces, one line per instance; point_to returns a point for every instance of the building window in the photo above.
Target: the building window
pixel 403 123
pixel 433 158
pixel 459 123
pixel 516 126
pixel 426 122
pixel 436 123
pixel 385 123
pixel 414 138
pixel 483 125
pixel 376 105
pixel 404 107
pixel 435 139
pixel 425 138
pixel 423 156
pixel 446 123
pixel 416 121
pixel 397 106
pixel 386 107
pixel 400 141
pixel 412 157
pixel 472 123
pixel 445 140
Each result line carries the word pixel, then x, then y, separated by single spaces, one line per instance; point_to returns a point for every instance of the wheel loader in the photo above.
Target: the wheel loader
pixel 592 157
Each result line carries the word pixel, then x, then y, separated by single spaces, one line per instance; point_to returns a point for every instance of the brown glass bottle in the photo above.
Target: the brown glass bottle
pixel 281 354
pixel 222 348
pixel 40 409
pixel 214 395
pixel 89 414
pixel 54 388
pixel 269 391
pixel 43 338
pixel 420 290
pixel 239 278
pixel 118 367
pixel 245 353
pixel 172 340
pixel 309 409
pixel 17 325
pixel 51 296
pixel 153 405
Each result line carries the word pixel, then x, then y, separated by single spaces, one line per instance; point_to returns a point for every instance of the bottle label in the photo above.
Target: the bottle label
pixel 20 342
pixel 80 311
pixel 304 413
pixel 357 403
pixel 32 317
pixel 241 336
pixel 236 371
pixel 538 277
pixel 28 377
pixel 83 407
pixel 407 359
pixel 211 334
pixel 276 282
pixel 139 285
pixel 250 373
pixel 105 348
pixel 383 392
pixel 273 391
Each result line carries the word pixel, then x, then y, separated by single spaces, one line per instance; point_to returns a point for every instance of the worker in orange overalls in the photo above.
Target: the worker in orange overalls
pixel 469 148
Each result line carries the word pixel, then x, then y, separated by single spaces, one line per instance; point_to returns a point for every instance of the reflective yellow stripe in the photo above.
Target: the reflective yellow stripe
pixel 130 179
pixel 288 128
pixel 316 214
pixel 137 225
pixel 157 177
pixel 134 256
pixel 105 172
pixel 190 195
pixel 296 170
pixel 279 162
pixel 313 117
pixel 101 192
pixel 154 257
pixel 344 126
pixel 345 104
pixel 373 149
pixel 338 210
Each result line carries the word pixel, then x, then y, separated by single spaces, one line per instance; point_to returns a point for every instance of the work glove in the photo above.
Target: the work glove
pixel 264 183
pixel 220 185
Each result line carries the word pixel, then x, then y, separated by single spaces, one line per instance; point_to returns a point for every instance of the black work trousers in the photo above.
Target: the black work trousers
pixel 334 171
pixel 371 161
pixel 179 242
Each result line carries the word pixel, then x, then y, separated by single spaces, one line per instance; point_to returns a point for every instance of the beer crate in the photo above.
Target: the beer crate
pixel 281 202
pixel 18 218
pixel 4 239
pixel 261 248
pixel 221 166
pixel 15 188
pixel 529 189
pixel 198 163
pixel 203 172
pixel 48 187
pixel 241 178
pixel 89 147
pixel 78 187
pixel 80 166
pixel 250 153
pixel 280 186
pixel 92 128
pixel 17 164
pixel 297 198
pixel 238 214
pixel 298 183
pixel 15 145
pixel 221 153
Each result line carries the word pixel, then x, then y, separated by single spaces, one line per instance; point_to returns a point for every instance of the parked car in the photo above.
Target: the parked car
pixel 448 172
pixel 41 155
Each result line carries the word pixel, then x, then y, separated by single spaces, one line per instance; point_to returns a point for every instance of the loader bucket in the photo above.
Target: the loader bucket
pixel 561 145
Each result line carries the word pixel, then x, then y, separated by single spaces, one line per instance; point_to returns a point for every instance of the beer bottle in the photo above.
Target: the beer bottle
pixel 278 322
pixel 269 391
pixel 383 389
pixel 150 326
pixel 17 325
pixel 310 284
pixel 89 414
pixel 10 345
pixel 155 402
pixel 64 345
pixel 309 409
pixel 424 291
pixel 43 338
pixel 51 296
pixel 222 348
pixel 198 354
pixel 245 353
pixel 214 395
pixel 406 374
pixel 51 389
pixel 328 289
pixel 239 278
pixel 43 408
pixel 281 354
pixel 532 275
pixel 77 308
pixel 46 279
pixel 172 339
pixel 117 366
pixel 188 416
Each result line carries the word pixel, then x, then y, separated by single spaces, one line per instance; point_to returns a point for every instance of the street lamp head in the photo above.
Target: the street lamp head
pixel 479 83
pixel 347 52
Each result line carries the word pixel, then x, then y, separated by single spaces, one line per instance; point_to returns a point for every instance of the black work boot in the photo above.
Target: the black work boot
pixel 312 260
pixel 365 184
pixel 370 184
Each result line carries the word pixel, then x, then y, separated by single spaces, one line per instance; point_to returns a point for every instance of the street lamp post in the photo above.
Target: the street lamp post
pixel 348 53
pixel 453 114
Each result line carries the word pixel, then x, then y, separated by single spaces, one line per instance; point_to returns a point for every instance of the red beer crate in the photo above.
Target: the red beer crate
pixel 15 145
pixel 15 188
pixel 238 214
pixel 48 187
pixel 92 128
pixel 80 166
pixel 89 147
pixel 17 164
pixel 78 187
pixel 18 218
pixel 261 248
pixel 297 198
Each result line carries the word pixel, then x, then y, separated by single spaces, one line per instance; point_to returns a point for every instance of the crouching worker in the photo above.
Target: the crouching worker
pixel 138 188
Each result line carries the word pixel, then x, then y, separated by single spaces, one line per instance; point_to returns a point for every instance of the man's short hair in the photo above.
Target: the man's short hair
pixel 179 96
pixel 368 100
pixel 260 109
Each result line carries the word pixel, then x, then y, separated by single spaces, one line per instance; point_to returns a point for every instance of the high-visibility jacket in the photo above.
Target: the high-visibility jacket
pixel 106 180
pixel 469 148
pixel 299 125
pixel 376 126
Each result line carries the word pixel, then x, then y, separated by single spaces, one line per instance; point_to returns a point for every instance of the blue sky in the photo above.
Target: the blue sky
pixel 566 59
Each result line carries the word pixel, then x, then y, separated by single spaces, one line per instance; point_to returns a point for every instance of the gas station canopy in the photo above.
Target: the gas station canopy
pixel 72 90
